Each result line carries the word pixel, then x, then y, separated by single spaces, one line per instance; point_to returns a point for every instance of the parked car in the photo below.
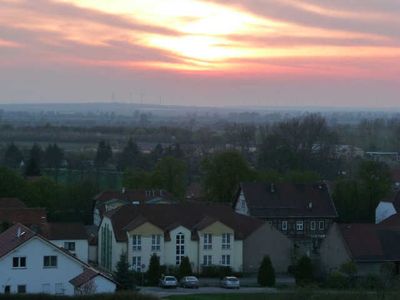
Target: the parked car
pixel 230 282
pixel 190 282
pixel 168 282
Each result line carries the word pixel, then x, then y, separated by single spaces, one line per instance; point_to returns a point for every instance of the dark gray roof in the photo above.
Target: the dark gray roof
pixel 266 200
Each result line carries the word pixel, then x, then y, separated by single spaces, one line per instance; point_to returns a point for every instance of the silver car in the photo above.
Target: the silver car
pixel 230 282
pixel 168 282
pixel 190 282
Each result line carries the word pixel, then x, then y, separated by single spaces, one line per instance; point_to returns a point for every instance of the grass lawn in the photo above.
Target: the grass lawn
pixel 299 295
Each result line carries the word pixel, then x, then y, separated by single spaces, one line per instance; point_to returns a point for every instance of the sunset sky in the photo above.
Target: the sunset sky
pixel 197 52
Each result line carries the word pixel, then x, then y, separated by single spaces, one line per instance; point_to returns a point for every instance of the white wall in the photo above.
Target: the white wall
pixel 241 205
pixel 383 211
pixel 34 275
pixel 93 251
pixel 81 248
pixel 104 286
pixel 146 251
pixel 117 247
pixel 191 247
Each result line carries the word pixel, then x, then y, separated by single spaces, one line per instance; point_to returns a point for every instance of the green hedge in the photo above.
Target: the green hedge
pixel 116 296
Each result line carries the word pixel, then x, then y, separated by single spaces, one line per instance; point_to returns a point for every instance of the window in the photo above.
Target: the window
pixel 7 289
pixel 207 238
pixel 50 261
pixel 312 225
pixel 59 289
pixel 299 225
pixel 21 289
pixel 70 246
pixel 226 241
pixel 19 262
pixel 284 225
pixel 136 242
pixel 137 263
pixel 321 225
pixel 155 242
pixel 207 260
pixel 226 260
pixel 180 247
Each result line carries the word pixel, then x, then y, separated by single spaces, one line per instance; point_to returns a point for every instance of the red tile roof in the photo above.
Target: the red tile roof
pixel 130 196
pixel 189 215
pixel 372 242
pixel 26 216
pixel 11 203
pixel 267 200
pixel 14 237
pixel 64 231
pixel 87 275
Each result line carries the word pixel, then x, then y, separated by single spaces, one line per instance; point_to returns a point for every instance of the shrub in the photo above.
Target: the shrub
pixel 216 271
pixel 124 276
pixel 266 273
pixel 349 268
pixel 154 271
pixel 304 273
pixel 371 282
pixel 185 268
pixel 337 280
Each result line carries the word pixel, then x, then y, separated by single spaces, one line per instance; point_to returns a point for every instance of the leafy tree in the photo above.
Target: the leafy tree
pixel 157 153
pixel 138 179
pixel 130 156
pixel 266 273
pixel 32 168
pixel 304 273
pixel 299 143
pixel 11 184
pixel 53 156
pixel 13 157
pixel 103 154
pixel 223 173
pixel 169 174
pixel 375 181
pixel 36 153
pixel 185 268
pixel 34 163
pixel 154 271
pixel 124 275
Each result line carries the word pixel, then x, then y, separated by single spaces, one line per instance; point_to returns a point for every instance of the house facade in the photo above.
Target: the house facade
pixel 302 212
pixel 72 237
pixel 369 246
pixel 30 264
pixel 209 235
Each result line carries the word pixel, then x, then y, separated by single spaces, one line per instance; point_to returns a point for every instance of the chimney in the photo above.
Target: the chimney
pixel 123 190
pixel 272 188
pixel 310 205
pixel 18 232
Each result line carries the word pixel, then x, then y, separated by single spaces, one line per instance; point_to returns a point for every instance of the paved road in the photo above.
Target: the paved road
pixel 159 292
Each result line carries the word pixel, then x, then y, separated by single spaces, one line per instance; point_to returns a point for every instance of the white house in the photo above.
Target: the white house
pixel 209 235
pixel 70 236
pixel 387 208
pixel 30 263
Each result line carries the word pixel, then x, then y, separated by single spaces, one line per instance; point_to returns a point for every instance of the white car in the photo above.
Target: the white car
pixel 168 282
pixel 230 282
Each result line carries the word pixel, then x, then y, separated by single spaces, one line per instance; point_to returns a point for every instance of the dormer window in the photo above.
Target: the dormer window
pixel 299 225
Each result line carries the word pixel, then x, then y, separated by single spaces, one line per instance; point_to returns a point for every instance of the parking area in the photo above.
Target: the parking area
pixel 159 292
